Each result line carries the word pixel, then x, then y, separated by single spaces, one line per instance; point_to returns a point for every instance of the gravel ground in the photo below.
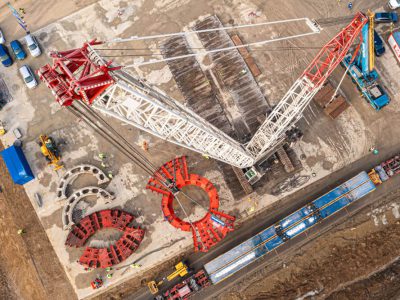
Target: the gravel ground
pixel 358 260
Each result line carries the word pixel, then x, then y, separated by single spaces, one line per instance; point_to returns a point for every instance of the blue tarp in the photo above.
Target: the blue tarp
pixel 17 165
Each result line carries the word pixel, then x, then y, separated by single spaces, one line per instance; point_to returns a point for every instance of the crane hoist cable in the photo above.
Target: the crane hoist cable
pixel 230 48
pixel 184 33
pixel 347 69
pixel 138 158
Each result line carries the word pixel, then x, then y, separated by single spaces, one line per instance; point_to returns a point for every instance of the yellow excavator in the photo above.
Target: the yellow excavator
pixel 50 151
pixel 181 269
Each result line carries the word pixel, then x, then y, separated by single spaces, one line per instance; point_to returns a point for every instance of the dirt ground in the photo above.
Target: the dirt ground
pixel 29 267
pixel 358 260
pixel 329 146
pixel 37 14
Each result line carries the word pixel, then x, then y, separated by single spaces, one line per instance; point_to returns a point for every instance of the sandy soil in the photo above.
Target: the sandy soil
pixel 29 267
pixel 38 14
pixel 35 112
pixel 356 261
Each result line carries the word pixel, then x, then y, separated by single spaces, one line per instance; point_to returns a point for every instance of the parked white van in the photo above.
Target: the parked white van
pixel 28 76
pixel 33 45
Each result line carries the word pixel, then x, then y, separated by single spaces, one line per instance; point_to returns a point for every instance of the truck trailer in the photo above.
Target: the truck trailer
pixel 291 226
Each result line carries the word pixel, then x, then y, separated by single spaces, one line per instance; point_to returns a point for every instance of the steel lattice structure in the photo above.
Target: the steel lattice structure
pixel 290 108
pixel 146 108
pixel 82 74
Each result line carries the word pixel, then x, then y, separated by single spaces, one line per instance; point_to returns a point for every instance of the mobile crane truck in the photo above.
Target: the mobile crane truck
pixel 361 69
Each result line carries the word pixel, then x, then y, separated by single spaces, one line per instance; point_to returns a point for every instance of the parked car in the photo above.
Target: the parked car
pixel 386 17
pixel 28 76
pixel 379 47
pixel 393 4
pixel 2 38
pixel 5 57
pixel 33 45
pixel 18 50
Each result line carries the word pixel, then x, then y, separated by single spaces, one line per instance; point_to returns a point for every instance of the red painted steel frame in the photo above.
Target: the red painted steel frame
pixel 74 76
pixel 206 231
pixel 109 256
pixel 334 51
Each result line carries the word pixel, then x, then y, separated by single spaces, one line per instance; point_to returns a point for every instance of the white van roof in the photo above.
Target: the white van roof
pixel 24 71
pixel 29 39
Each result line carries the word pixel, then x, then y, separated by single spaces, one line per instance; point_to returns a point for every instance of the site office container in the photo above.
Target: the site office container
pixel 17 165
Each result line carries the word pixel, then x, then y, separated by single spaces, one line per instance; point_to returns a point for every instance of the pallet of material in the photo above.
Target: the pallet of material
pixel 324 95
pixel 246 56
pixel 336 107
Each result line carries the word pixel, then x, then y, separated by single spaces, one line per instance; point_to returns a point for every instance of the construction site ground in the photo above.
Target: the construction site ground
pixel 359 259
pixel 28 268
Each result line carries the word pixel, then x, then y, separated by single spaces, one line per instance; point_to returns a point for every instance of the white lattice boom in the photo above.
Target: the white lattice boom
pixel 290 108
pixel 286 113
pixel 144 107
pixel 81 74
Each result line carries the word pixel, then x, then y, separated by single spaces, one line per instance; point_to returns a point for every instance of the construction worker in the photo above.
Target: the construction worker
pixel 110 174
pixel 350 5
pixel 145 146
pixel 22 11
pixel 21 231
pixel 109 275
pixel 108 269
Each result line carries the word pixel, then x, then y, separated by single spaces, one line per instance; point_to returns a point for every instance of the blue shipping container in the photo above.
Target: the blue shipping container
pixel 17 165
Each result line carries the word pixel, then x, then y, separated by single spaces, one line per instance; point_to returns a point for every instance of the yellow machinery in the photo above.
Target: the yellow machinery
pixel 2 129
pixel 181 270
pixel 374 177
pixel 50 151
pixel 371 38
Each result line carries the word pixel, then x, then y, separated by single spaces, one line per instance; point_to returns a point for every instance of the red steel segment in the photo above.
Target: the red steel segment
pixel 121 250
pixel 334 51
pixel 80 232
pixel 392 166
pixel 188 287
pixel 109 256
pixel 74 76
pixel 207 231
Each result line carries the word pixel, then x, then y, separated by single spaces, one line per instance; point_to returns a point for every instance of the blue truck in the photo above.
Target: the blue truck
pixel 362 72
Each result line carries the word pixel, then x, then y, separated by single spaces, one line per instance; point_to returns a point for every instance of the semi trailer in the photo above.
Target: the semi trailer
pixel 275 236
